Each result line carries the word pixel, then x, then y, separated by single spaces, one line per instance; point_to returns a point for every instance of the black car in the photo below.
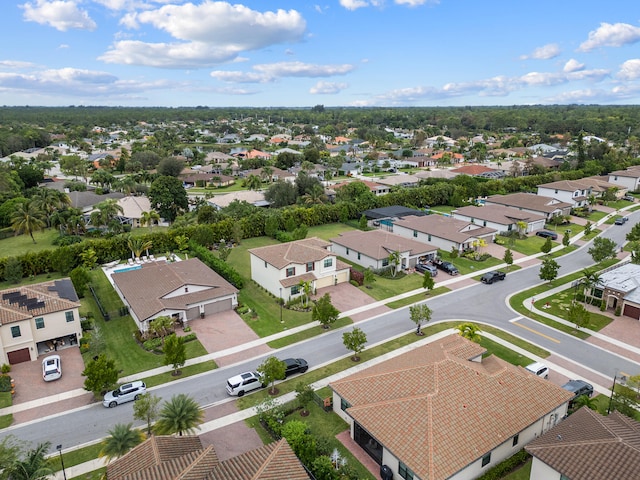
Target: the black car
pixel 547 234
pixel 578 388
pixel 448 267
pixel 295 365
pixel 491 277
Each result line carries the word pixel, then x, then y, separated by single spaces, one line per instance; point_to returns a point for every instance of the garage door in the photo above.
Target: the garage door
pixel 631 311
pixel 216 307
pixel 19 356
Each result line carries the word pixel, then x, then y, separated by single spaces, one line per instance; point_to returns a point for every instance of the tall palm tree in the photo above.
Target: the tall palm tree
pixel 105 213
pixel 27 219
pixel 470 331
pixel 34 466
pixel 180 415
pixel 315 196
pixel 137 245
pixel 161 326
pixel 394 261
pixel 48 201
pixel 253 182
pixel 590 280
pixel 122 439
pixel 149 218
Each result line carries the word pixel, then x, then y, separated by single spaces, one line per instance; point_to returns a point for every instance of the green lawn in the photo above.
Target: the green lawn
pixel 45 277
pixel 523 473
pixel 528 246
pixel 419 297
pixel 384 288
pixel 329 231
pixel 308 333
pixel 17 245
pixel 467 265
pixel 560 303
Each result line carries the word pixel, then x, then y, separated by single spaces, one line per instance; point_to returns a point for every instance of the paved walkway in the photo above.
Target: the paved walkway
pixel 557 365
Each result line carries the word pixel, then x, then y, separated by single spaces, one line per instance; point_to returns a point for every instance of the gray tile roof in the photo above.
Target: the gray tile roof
pixel 459 231
pixel 498 214
pixel 529 201
pixel 379 244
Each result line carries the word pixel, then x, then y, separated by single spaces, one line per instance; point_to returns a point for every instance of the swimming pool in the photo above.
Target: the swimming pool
pixel 128 269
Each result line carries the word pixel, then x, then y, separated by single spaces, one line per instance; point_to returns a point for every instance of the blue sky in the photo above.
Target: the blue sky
pixel 298 53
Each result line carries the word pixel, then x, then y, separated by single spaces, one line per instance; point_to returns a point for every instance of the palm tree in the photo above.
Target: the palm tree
pixel 26 219
pixel 266 174
pixel 149 218
pixel 105 213
pixel 315 196
pixel 126 185
pixel 590 280
pixel 48 201
pixel 253 182
pixel 470 331
pixel 394 261
pixel 137 245
pixel 122 439
pixel 161 326
pixel 586 401
pixel 180 415
pixel 34 466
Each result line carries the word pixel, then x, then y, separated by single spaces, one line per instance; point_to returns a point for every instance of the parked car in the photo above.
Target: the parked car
pixel 547 234
pixel 539 369
pixel 125 393
pixel 51 368
pixel 621 220
pixel 426 268
pixel 245 382
pixel 629 198
pixel 578 388
pixel 448 267
pixel 494 276
pixel 295 365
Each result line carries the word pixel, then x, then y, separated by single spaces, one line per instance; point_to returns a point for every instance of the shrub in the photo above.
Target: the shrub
pixel 5 383
pixel 152 344
pixel 618 311
pixel 86 325
pixel 509 465
pixel 84 347
pixel 354 283
pixel 6 368
pixel 603 306
pixel 357 275
pixel 190 337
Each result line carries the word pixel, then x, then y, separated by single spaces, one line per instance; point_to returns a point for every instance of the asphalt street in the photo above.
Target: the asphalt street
pixel 479 303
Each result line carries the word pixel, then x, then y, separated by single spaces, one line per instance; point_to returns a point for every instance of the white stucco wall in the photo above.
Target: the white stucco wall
pixel 542 471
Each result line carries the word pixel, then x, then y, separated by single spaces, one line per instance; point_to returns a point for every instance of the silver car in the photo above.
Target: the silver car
pixel 125 393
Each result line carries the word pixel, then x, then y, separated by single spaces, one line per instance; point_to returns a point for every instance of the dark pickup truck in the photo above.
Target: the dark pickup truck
pixel 448 267
pixel 491 277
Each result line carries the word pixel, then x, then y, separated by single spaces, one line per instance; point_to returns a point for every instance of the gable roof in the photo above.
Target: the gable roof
pixel 587 445
pixel 378 244
pixel 132 206
pixel 437 411
pixel 300 251
pixel 625 279
pixel 145 289
pixel 530 201
pixel 29 301
pixel 472 169
pixel 391 211
pixel 449 228
pixel 498 214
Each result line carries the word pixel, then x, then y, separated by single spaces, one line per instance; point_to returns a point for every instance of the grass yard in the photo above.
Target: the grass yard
pixel 20 244
pixel 419 297
pixel 560 303
pixel 329 231
pixel 384 287
pixel 528 246
pixel 308 333
pixel 523 473
pixel 467 265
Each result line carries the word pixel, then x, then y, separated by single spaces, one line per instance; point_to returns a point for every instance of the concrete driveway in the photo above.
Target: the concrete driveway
pixel 345 297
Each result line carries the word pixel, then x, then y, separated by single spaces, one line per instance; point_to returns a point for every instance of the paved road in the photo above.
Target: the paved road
pixel 479 302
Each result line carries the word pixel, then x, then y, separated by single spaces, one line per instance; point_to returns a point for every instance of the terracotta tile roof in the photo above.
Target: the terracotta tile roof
pixel 498 214
pixel 47 297
pixel 529 200
pixel 300 252
pixel 275 461
pixel 146 289
pixel 587 445
pixel 567 185
pixel 445 227
pixel 437 411
pixel 473 169
pixel 378 244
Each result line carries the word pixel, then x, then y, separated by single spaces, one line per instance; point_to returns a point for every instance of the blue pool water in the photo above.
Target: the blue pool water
pixel 128 269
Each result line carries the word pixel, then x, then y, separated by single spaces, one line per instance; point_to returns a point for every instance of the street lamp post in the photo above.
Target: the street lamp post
pixel 281 320
pixel 64 473
pixel 612 391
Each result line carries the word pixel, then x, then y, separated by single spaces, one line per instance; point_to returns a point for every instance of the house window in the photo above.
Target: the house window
pixel 358 255
pixel 39 323
pixel 564 477
pixel 328 262
pixel 486 459
pixel 515 440
pixel 265 264
pixel 385 262
pixel 510 227
pixel 429 238
pixel 15 331
pixel 310 266
pixel 291 271
pixel 344 404
pixel 575 194
pixel 295 290
pixel 68 316
pixel 473 220
pixel 347 251
pixel 405 472
pixel 484 223
pixel 415 233
pixel 556 191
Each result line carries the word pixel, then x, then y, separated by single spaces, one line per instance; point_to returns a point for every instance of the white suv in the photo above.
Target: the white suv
pixel 243 383
pixel 125 393
pixel 539 369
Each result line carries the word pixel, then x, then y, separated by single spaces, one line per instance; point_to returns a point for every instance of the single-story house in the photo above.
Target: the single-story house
pixel 473 170
pixel 619 287
pixel 376 188
pixel 250 196
pixel 371 249
pixel 183 290
pixel 404 181
pixel 442 411
pixel 163 457
pixel 35 319
pixel 503 219
pixel 282 267
pixel 548 207
pixel 132 209
pixel 629 178
pixel 587 445
pixel 445 233
pixel 384 216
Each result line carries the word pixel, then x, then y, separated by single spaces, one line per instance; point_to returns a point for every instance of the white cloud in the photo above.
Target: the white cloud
pixel 211 33
pixel 59 14
pixel 415 3
pixel 300 69
pixel 572 66
pixel 15 64
pixel 630 70
pixel 63 46
pixel 611 35
pixel 240 77
pixel 327 88
pixel 354 4
pixel 546 52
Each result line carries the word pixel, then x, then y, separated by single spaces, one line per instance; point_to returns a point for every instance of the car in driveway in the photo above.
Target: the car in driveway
pixel 578 388
pixel 294 365
pixel 493 276
pixel 448 267
pixel 539 369
pixel 51 368
pixel 246 382
pixel 426 268
pixel 125 393
pixel 547 234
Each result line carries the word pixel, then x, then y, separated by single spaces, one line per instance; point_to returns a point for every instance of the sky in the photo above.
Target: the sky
pixel 337 53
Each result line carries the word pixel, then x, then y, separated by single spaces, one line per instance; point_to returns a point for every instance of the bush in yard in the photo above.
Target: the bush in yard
pixel 152 344
pixel 102 375
pixel 509 465
pixel 356 275
pixel 618 311
pixel 6 368
pixel 5 383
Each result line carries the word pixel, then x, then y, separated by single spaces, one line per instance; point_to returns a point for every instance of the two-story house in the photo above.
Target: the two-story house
pixel 281 268
pixel 629 178
pixel 570 191
pixel 501 218
pixel 547 207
